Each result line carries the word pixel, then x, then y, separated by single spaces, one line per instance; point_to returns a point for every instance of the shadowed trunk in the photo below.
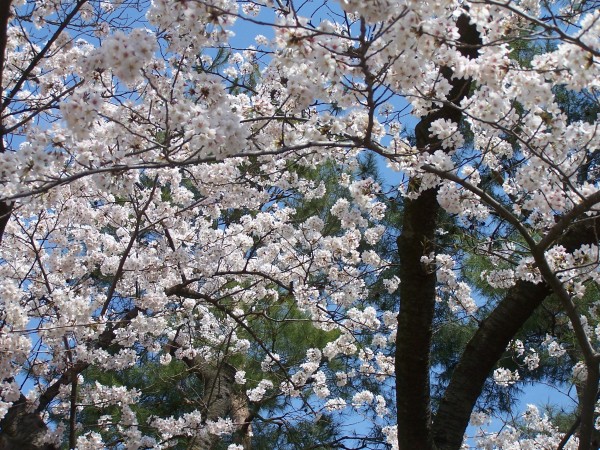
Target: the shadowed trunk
pixel 417 287
pixel 23 428
pixel 413 341
pixel 5 207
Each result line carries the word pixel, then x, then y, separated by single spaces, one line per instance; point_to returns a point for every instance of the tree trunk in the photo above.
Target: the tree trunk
pixel 417 287
pixel 413 341
pixel 5 207
pixel 22 429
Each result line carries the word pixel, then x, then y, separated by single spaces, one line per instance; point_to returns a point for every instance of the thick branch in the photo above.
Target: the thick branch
pixel 23 430
pixel 489 342
pixel 480 356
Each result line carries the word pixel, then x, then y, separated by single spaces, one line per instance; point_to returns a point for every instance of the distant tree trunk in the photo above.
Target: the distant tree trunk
pixel 220 399
pixel 240 413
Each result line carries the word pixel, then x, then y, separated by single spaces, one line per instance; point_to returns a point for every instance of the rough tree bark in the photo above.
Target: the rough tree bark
pixel 23 430
pixel 417 287
pixel 220 399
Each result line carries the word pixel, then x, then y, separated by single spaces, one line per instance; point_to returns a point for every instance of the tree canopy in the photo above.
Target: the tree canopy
pixel 354 224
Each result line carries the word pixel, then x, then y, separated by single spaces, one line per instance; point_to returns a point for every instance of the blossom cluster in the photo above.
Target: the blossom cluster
pixel 180 199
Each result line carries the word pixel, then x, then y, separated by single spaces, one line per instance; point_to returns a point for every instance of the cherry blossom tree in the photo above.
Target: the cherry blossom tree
pixel 157 177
